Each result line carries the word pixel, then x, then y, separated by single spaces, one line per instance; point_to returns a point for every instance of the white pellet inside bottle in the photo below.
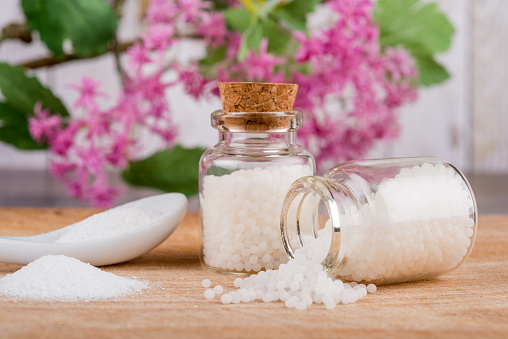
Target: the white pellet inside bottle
pixel 241 216
pixel 388 220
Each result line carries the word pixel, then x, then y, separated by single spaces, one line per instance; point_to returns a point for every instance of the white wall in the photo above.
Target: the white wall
pixel 464 120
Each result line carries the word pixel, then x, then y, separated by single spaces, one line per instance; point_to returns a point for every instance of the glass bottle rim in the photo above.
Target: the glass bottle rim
pixel 323 190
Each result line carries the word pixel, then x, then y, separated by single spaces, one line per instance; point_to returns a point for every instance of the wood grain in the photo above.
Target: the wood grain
pixel 470 302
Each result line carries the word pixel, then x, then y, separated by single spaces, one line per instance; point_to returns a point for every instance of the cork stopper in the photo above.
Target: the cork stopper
pixel 254 107
pixel 251 97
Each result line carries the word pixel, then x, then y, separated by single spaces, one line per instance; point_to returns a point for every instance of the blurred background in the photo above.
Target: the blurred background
pixel 464 120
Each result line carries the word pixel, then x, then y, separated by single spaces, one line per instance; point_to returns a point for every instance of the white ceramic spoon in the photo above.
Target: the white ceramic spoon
pixel 23 250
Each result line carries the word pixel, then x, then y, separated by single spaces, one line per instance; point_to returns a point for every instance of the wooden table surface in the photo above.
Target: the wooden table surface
pixel 470 302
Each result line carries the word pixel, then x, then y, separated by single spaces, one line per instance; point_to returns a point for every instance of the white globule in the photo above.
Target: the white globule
pixel 241 216
pixel 416 224
pixel 299 283
pixel 209 294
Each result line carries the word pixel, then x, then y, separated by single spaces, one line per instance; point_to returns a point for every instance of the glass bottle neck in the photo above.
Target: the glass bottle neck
pixel 265 143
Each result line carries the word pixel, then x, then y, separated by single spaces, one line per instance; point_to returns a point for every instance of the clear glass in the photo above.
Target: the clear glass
pixel 389 220
pixel 243 182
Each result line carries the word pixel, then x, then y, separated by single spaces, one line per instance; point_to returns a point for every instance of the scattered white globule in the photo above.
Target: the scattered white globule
pixel 241 217
pixel 417 225
pixel 209 294
pixel 299 283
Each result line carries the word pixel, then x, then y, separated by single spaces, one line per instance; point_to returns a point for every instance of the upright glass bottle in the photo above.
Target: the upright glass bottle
pixel 245 176
pixel 386 220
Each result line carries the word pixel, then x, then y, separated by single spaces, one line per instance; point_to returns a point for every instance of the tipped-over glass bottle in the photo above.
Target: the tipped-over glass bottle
pixel 387 220
pixel 245 177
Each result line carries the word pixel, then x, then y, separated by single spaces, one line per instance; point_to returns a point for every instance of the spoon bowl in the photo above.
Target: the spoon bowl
pixel 107 251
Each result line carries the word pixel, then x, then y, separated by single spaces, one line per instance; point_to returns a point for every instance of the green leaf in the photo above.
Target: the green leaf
pixel 421 26
pixel 19 138
pixel 251 39
pixel 295 12
pixel 14 130
pixel 238 18
pixel 434 72
pixel 207 65
pixel 174 170
pixel 277 37
pixel 254 36
pixel 9 115
pixel 213 56
pixel 89 24
pixel 421 29
pixel 21 91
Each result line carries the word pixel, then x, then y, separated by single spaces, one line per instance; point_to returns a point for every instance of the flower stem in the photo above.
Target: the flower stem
pixel 118 65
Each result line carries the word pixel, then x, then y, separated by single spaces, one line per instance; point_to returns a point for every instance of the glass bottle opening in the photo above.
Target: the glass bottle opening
pixel 310 211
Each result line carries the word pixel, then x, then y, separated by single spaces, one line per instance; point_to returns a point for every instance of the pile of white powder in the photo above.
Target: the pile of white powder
pixel 61 278
pixel 113 223
pixel 241 216
pixel 298 284
pixel 417 225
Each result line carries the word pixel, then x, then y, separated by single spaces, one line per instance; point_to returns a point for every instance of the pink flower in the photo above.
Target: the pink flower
pixel 309 48
pixel 158 37
pixel 101 193
pixel 349 69
pixel 167 133
pixel 234 41
pixel 147 94
pixel 350 91
pixel 103 196
pixel 98 123
pixel 193 82
pixel 118 154
pixel 64 140
pixel 161 11
pixel 61 169
pixel 260 66
pixel 213 28
pixel 106 140
pixel 137 56
pixel 191 10
pixel 91 158
pixel 353 12
pixel 399 64
pixel 76 189
pixel 88 90
pixel 43 126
